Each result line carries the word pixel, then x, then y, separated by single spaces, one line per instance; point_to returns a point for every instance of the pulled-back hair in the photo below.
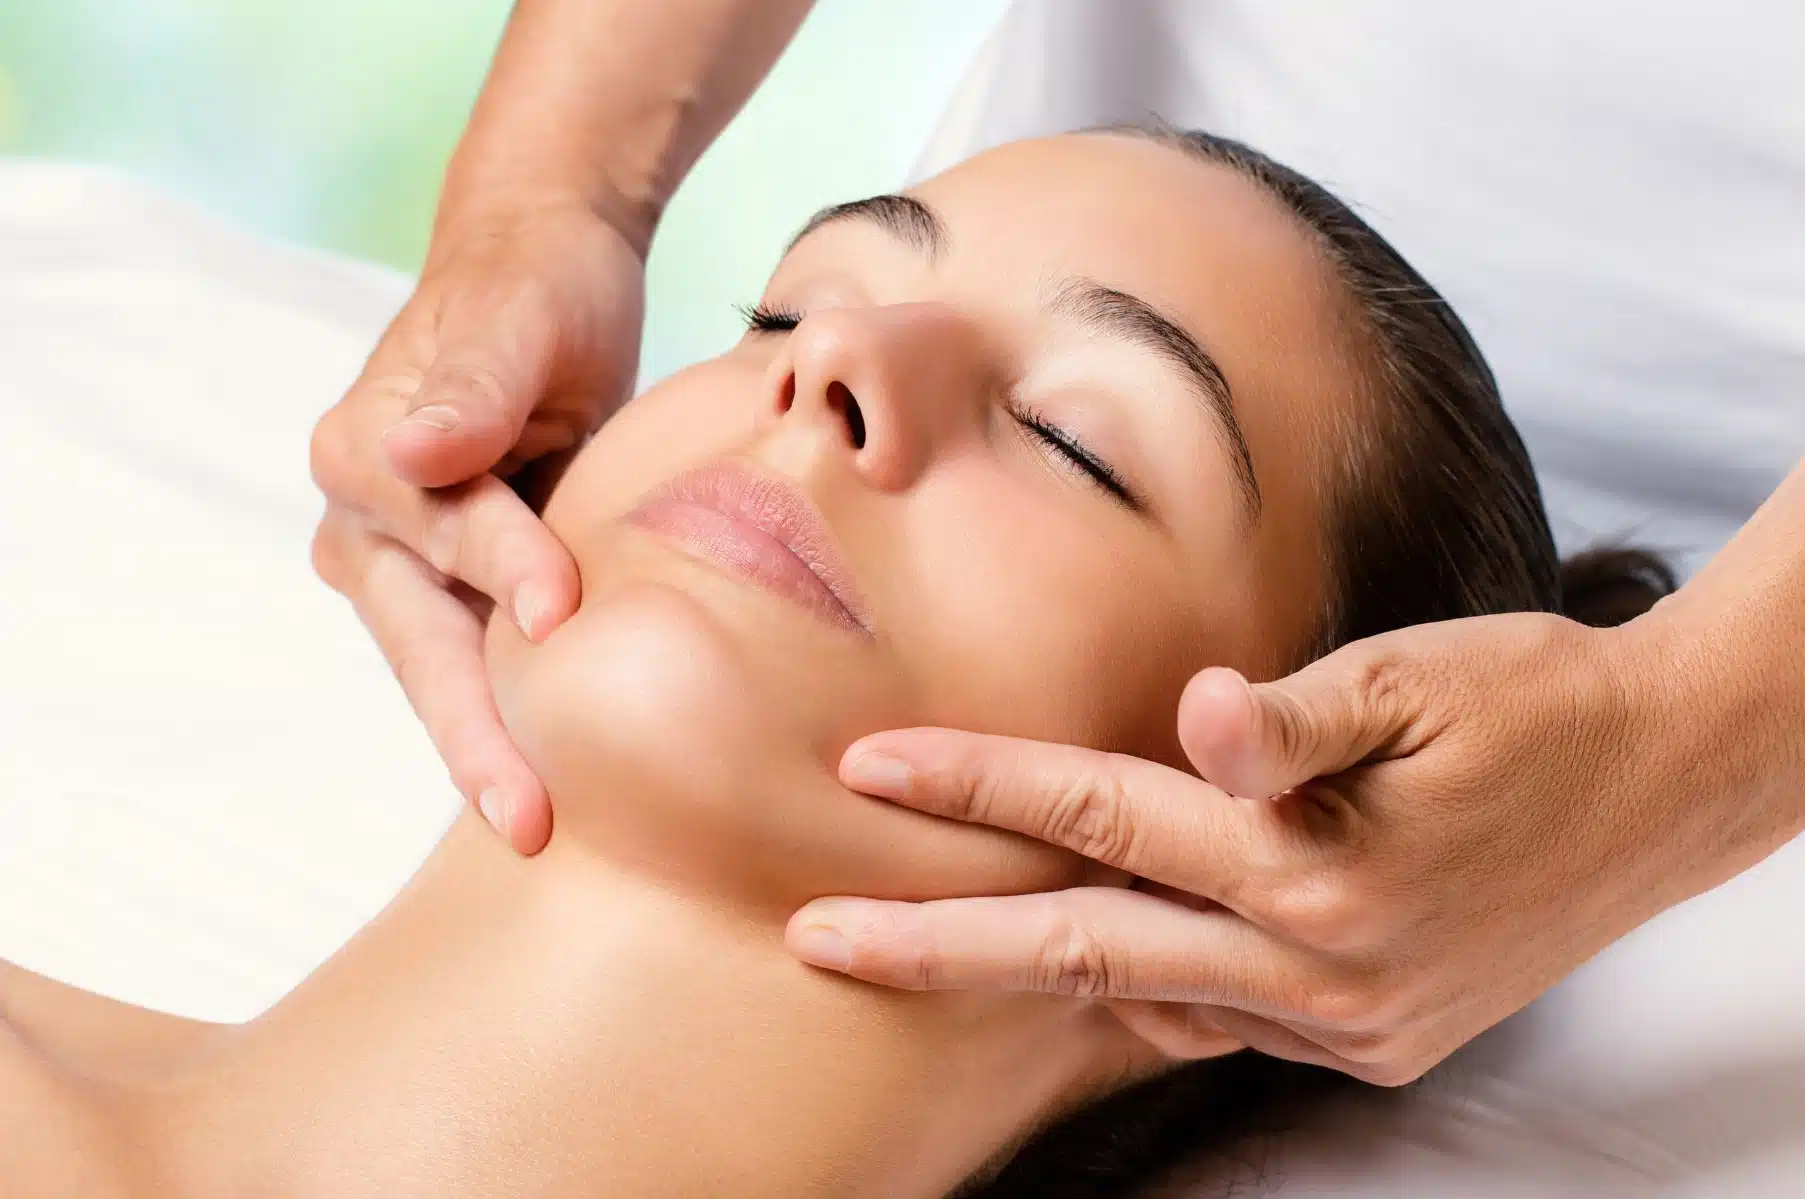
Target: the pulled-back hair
pixel 1434 513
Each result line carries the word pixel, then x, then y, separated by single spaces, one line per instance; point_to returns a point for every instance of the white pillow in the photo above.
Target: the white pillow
pixel 208 778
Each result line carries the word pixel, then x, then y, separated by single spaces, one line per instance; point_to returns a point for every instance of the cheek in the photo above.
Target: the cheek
pixel 1036 618
pixel 642 715
pixel 698 748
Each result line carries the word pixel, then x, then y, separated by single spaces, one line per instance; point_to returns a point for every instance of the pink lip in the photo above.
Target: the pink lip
pixel 758 527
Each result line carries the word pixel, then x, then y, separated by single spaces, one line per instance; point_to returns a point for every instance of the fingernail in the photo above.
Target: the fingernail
pixel 878 773
pixel 822 945
pixel 434 416
pixel 497 809
pixel 529 609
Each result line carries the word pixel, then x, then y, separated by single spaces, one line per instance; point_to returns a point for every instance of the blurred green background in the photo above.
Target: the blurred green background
pixel 328 122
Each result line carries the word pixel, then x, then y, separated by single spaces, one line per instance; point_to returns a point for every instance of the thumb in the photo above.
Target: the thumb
pixel 474 399
pixel 1260 740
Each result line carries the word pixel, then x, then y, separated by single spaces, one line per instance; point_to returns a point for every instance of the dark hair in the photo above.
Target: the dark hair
pixel 1434 514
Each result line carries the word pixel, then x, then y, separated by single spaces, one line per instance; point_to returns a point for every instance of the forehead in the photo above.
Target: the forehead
pixel 1200 241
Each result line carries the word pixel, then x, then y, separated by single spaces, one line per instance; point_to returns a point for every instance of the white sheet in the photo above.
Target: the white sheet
pixel 172 833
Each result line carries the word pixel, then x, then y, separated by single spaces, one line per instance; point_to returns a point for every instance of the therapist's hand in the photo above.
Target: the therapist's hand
pixel 1494 801
pixel 522 336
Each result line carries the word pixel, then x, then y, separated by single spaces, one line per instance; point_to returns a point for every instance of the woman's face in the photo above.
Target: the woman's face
pixel 1058 416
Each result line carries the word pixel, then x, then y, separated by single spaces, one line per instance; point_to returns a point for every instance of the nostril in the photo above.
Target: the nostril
pixel 787 397
pixel 845 403
pixel 855 423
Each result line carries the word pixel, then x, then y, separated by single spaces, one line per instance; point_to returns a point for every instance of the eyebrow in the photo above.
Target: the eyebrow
pixel 1129 318
pixel 1102 309
pixel 903 217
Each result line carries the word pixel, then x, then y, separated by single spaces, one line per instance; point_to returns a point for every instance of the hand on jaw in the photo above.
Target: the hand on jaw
pixel 1391 850
pixel 421 533
pixel 1360 878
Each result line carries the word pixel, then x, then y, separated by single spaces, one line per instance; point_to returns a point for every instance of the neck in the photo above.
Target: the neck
pixel 559 1026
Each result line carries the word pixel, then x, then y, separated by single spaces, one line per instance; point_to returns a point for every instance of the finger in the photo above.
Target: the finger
pixel 434 645
pixel 1135 815
pixel 1273 1038
pixel 1262 740
pixel 1181 1031
pixel 483 534
pixel 1089 941
pixel 493 366
pixel 541 438
pixel 1191 1031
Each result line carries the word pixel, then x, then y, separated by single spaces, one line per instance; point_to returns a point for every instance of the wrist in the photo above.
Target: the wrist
pixel 476 203
pixel 1714 734
pixel 481 195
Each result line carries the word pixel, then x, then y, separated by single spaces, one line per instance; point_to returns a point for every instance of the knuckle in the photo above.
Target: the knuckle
pixel 467 382
pixel 1546 634
pixel 1324 911
pixel 1387 1071
pixel 330 452
pixel 1374 1051
pixel 1342 1006
pixel 1292 730
pixel 898 951
pixel 328 555
pixel 1072 961
pixel 1091 816
pixel 1383 679
pixel 404 663
pixel 928 971
pixel 443 536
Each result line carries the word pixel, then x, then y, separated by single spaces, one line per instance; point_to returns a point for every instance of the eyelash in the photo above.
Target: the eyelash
pixel 761 318
pixel 1075 452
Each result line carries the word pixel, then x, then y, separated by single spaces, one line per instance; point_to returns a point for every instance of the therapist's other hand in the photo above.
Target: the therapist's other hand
pixel 1396 847
pixel 522 335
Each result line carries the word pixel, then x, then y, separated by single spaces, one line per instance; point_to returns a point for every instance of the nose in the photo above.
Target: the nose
pixel 890 385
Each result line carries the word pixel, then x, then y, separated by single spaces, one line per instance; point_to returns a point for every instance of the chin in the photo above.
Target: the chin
pixel 641 716
pixel 690 731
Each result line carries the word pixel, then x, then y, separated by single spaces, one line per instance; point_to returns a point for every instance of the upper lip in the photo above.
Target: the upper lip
pixel 778 509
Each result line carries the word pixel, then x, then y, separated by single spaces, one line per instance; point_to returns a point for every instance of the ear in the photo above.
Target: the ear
pixel 1177 1032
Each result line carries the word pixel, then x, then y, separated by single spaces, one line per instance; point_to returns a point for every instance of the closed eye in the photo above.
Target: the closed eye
pixel 762 318
pixel 1076 454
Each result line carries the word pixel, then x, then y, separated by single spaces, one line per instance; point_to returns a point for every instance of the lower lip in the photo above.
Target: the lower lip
pixel 741 548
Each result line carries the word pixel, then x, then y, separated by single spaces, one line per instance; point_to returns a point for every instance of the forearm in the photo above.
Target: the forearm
pixel 1725 658
pixel 610 102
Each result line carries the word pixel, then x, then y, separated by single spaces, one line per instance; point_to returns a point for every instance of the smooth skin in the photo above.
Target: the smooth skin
pixel 619 1014
pixel 1518 792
